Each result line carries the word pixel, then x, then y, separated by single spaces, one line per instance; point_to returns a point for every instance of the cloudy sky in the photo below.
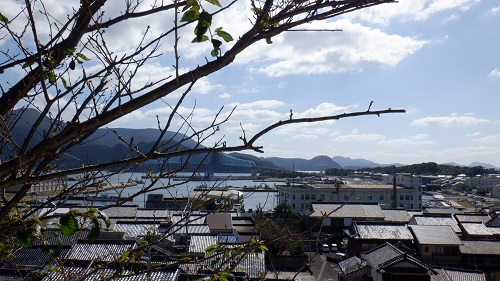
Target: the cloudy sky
pixel 438 59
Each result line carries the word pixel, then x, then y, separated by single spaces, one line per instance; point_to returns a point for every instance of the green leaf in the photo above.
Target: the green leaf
pixel 69 224
pixel 190 15
pixel 3 19
pixel 52 76
pixel 25 238
pixel 64 83
pixel 203 39
pixel 224 35
pixel 193 4
pixel 72 65
pixel 82 56
pixel 214 2
pixel 93 234
pixel 204 22
pixel 268 40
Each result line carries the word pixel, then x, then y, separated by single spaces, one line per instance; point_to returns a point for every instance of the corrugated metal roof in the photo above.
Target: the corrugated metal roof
pixel 476 228
pixel 78 273
pixel 435 235
pixel 253 265
pixel 383 231
pixel 97 252
pixel 480 247
pixel 364 211
pixel 199 243
pixel 191 229
pixel 446 274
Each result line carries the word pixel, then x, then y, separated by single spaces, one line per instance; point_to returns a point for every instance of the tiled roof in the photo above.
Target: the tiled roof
pixel 33 257
pixel 253 265
pixel 437 220
pixel 335 210
pixel 476 228
pixel 50 236
pixel 480 247
pixel 351 265
pixel 97 252
pixel 435 235
pixel 193 219
pixel 78 273
pixel 199 243
pixel 494 230
pixel 137 229
pixel 381 254
pixel 446 274
pixel 472 218
pixel 385 231
pixel 397 215
pixel 148 213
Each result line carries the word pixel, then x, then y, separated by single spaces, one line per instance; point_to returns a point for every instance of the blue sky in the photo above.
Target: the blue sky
pixel 438 59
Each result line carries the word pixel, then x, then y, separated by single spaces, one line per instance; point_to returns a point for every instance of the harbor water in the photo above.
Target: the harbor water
pixel 265 200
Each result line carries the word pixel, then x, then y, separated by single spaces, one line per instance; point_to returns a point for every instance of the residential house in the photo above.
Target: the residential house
pixel 483 255
pixel 437 244
pixel 363 236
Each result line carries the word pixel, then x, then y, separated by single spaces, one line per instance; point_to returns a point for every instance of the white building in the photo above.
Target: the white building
pixel 300 197
pixel 404 180
pixel 45 186
pixel 483 181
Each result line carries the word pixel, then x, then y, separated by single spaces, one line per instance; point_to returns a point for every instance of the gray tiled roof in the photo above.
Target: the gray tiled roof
pixel 447 274
pixel 136 229
pixel 97 252
pixel 381 254
pixel 334 210
pixel 480 247
pixel 437 220
pixel 193 219
pixel 34 257
pixel 435 235
pixel 78 273
pixel 383 231
pixel 397 215
pixel 494 230
pixel 476 228
pixel 351 265
pixel 147 213
pixel 190 229
pixel 472 218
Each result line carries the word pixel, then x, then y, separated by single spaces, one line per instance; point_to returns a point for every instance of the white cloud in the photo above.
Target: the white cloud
pixel 304 137
pixel 324 109
pixel 411 10
pixel 258 104
pixel 495 10
pixel 451 120
pixel 360 138
pixel 475 134
pixel 488 139
pixel 225 95
pixel 495 73
pixel 419 139
pixel 353 49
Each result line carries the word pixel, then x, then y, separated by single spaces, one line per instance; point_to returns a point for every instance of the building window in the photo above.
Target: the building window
pixel 407 197
pixel 313 197
pixel 420 197
pixel 293 206
pixel 401 205
pixel 411 206
pixel 294 197
pixel 401 197
pixel 302 197
pixel 426 249
pixel 302 206
pixel 307 196
pixel 411 197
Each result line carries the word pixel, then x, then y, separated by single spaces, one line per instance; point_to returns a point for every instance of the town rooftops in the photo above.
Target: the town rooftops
pixel 476 229
pixel 387 256
pixel 472 218
pixel 397 215
pixel 347 210
pixel 435 235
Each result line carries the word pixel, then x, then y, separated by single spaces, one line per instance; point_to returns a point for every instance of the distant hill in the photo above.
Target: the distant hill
pixel 486 165
pixel 259 162
pixel 318 163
